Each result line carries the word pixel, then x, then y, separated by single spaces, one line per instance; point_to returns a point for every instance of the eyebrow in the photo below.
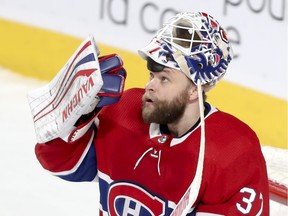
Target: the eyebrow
pixel 168 70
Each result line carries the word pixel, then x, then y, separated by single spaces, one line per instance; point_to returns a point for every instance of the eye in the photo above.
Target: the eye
pixel 164 79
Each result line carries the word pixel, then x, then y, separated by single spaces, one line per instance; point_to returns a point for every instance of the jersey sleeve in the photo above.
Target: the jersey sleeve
pixel 236 181
pixel 72 161
pixel 243 193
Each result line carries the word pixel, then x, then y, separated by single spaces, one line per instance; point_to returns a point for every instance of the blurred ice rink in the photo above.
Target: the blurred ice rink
pixel 25 188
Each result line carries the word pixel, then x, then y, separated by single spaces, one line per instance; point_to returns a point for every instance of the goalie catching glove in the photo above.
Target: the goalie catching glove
pixel 85 82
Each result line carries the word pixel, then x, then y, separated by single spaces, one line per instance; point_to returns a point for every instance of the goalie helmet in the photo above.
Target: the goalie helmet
pixel 194 43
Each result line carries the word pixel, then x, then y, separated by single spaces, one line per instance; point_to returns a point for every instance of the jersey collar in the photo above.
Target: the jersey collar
pixel 157 130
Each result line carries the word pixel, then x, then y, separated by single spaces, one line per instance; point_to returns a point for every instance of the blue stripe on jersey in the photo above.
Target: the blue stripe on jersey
pixel 86 171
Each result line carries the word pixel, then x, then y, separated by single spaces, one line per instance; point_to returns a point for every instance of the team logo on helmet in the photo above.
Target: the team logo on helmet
pixel 204 48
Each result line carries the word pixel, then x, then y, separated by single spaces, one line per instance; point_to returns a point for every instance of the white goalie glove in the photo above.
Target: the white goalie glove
pixel 75 91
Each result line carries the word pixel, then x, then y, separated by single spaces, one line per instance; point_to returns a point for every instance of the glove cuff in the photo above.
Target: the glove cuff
pixel 81 127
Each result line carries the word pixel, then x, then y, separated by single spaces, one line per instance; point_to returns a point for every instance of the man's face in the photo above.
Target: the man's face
pixel 166 96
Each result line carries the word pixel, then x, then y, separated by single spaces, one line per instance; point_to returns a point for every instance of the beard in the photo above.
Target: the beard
pixel 163 111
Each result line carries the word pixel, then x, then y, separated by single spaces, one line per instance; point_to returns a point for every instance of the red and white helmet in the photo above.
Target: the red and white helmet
pixel 194 43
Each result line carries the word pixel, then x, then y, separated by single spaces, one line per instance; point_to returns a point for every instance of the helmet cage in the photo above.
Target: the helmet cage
pixel 194 43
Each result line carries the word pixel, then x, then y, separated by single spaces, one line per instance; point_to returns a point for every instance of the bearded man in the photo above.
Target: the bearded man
pixel 162 150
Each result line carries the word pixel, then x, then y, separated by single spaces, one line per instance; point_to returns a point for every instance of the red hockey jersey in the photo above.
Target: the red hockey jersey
pixel 144 170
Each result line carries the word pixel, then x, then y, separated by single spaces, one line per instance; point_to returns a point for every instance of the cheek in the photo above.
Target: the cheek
pixel 170 93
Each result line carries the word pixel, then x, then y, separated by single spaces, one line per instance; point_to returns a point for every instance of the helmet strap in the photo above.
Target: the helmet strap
pixel 181 61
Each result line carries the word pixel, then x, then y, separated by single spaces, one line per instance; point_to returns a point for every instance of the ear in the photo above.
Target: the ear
pixel 193 93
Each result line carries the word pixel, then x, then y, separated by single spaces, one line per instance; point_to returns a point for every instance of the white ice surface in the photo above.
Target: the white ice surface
pixel 25 188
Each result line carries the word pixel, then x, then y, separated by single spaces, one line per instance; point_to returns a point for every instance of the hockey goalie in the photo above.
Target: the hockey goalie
pixel 161 150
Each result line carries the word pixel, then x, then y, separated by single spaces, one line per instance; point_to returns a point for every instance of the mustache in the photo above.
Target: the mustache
pixel 149 98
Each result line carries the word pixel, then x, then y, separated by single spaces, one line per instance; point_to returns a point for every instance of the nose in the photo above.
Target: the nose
pixel 150 86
